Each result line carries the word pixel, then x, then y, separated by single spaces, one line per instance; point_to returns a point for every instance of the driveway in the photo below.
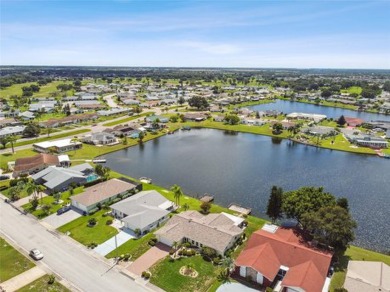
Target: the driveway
pixel 235 287
pixel 109 245
pixel 149 258
pixel 59 220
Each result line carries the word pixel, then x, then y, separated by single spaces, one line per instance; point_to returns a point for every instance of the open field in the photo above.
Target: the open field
pixel 124 120
pixel 12 262
pixel 45 91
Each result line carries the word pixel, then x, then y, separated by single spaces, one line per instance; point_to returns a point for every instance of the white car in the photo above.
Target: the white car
pixel 36 254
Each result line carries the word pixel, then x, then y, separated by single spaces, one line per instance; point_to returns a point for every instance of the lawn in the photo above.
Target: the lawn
pixel 7 157
pixel 352 89
pixel 342 144
pixel 42 285
pixel 12 262
pixel 134 247
pixel 49 200
pixel 98 234
pixel 165 274
pixel 45 90
pixel 114 123
pixel 356 254
pixel 53 137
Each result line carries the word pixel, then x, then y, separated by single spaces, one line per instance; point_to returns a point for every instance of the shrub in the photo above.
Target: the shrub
pixel 180 252
pixel 145 275
pixel 51 280
pixel 126 257
pixel 109 222
pixel 92 245
pixel 92 222
pixel 151 243
pixel 171 252
pixel 216 261
pixel 269 289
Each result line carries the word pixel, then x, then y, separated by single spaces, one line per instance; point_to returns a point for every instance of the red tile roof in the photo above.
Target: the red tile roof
pixel 266 252
pixel 23 164
pixel 354 121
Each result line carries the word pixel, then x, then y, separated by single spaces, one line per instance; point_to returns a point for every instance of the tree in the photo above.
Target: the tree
pixel 137 232
pixel 34 203
pixel 181 100
pixel 45 208
pixel 341 121
pixel 277 128
pixel 232 119
pixel 141 136
pixel 12 139
pixel 102 171
pixel 14 193
pixel 31 130
pixel 57 197
pixel 331 225
pixel 386 86
pixel 343 203
pixel 326 93
pixel 208 252
pixel 4 141
pixel 199 102
pixel 205 206
pixel 305 199
pixel 274 207
pixel 186 206
pixel 177 193
pixel 34 189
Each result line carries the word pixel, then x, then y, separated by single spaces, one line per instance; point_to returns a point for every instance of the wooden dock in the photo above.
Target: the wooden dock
pixel 207 198
pixel 239 209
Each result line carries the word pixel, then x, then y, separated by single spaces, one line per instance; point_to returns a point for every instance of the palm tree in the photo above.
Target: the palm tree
pixel 12 139
pixel 34 190
pixel 177 193
pixel 186 206
pixel 74 140
pixel 141 136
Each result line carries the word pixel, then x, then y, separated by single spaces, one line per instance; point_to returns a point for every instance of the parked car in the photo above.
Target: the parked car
pixel 36 254
pixel 64 209
pixel 4 177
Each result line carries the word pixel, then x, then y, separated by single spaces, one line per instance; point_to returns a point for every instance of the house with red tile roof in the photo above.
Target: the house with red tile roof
pixel 353 122
pixel 278 256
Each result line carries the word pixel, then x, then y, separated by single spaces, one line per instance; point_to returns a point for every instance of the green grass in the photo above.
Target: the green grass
pixel 12 262
pixel 49 200
pixel 259 130
pixel 114 123
pixel 41 285
pixel 98 234
pixel 134 247
pixel 7 157
pixel 52 137
pixel 352 89
pixel 165 274
pixel 45 90
pixel 355 254
pixel 342 144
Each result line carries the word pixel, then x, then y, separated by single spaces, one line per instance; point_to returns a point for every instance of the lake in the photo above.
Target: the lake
pixel 241 168
pixel 331 112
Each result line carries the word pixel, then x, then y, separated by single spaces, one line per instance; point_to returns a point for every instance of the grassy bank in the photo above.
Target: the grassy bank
pixel 354 253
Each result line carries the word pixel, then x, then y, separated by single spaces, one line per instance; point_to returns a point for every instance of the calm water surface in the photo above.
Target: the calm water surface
pixel 331 112
pixel 242 168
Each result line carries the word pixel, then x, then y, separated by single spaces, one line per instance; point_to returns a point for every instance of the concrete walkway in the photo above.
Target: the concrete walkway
pixel 23 279
pixel 149 258
pixel 109 245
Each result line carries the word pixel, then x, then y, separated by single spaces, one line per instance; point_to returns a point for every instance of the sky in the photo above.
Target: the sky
pixel 188 33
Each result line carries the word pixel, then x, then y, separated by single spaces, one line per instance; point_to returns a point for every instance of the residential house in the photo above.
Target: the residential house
pixel 367 141
pixel 9 122
pixel 367 276
pixel 72 119
pixel 27 116
pixel 103 192
pixel 143 211
pixel 43 106
pixel 280 257
pixel 11 131
pixel 9 114
pixel 57 179
pixel 58 146
pixel 160 119
pixel 197 117
pixel 314 117
pixel 34 164
pixel 100 138
pixel 353 122
pixel 113 111
pixel 217 231
pixel 319 130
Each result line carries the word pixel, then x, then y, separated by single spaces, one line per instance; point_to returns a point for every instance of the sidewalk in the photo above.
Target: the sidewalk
pixel 23 279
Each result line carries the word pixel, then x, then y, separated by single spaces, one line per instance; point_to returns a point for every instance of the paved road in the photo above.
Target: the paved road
pixel 110 101
pixel 68 259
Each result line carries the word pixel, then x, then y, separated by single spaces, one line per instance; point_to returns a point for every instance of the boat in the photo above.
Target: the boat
pixel 145 180
pixel 186 128
pixel 99 160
